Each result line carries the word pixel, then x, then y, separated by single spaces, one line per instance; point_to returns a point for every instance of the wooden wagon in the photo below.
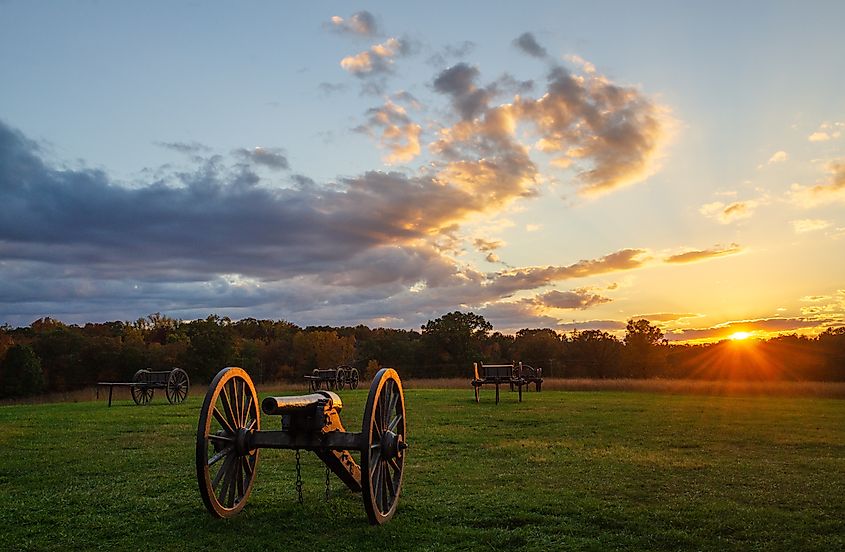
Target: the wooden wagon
pixel 175 383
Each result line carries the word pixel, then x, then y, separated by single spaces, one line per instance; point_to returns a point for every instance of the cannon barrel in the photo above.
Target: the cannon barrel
pixel 298 403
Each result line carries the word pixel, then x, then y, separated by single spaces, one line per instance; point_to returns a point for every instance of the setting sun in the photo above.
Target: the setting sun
pixel 739 336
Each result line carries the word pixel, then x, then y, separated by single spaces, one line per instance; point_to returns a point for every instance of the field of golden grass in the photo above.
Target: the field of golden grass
pixel 835 390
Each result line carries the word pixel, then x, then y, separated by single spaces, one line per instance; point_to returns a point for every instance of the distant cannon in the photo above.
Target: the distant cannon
pixel 333 378
pixel 229 439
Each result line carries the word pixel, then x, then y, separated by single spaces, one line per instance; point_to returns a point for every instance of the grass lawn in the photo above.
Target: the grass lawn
pixel 561 470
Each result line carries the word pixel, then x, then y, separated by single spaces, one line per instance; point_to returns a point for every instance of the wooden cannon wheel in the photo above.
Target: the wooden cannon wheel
pixel 382 465
pixel 177 386
pixel 141 394
pixel 225 471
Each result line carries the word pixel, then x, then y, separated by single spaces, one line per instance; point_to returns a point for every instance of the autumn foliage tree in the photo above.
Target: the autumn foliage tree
pixel 456 337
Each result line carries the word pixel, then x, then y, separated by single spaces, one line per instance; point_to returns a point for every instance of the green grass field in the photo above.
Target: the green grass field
pixel 561 470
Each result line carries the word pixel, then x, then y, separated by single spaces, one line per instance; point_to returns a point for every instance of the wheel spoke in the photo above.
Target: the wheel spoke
pixel 232 476
pixel 224 487
pixel 377 484
pixel 389 481
pixel 236 402
pixel 383 487
pixel 394 464
pixel 224 438
pixel 244 407
pixel 375 457
pixel 221 419
pixel 239 472
pixel 227 406
pixel 394 423
pixel 248 469
pixel 394 400
pixel 248 410
pixel 220 472
pixel 216 458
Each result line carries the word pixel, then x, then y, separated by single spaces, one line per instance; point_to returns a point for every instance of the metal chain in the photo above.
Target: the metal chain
pixel 298 478
pixel 328 485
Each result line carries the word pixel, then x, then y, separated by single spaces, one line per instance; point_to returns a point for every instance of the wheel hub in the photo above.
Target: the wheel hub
pixel 241 441
pixel 392 445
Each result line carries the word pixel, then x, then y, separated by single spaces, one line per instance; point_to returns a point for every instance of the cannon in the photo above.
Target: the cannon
pixel 230 438
pixel 333 378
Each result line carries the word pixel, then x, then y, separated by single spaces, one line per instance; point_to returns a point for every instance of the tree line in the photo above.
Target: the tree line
pixel 50 356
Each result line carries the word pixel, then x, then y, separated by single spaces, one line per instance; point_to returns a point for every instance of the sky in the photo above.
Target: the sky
pixel 563 165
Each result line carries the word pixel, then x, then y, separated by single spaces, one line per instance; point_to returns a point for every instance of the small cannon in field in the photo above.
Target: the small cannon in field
pixel 229 439
pixel 333 378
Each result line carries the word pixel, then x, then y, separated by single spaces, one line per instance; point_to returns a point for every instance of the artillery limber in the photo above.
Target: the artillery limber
pixel 229 439
pixel 497 374
pixel 175 383
pixel 333 378
pixel 531 375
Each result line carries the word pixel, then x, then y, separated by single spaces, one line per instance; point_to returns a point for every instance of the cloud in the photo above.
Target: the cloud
pixel 227 234
pixel 722 331
pixel 219 237
pixel 398 134
pixel 664 316
pixel 778 157
pixel 513 316
pixel 487 245
pixel 451 52
pixel 585 325
pixel 612 134
pixel 528 44
pixel 731 212
pixel 378 60
pixel 827 131
pixel 831 191
pixel 272 158
pixel 803 226
pixel 704 254
pixel 574 299
pixel 458 82
pixel 535 277
pixel 329 88
pixel 186 148
pixel 361 23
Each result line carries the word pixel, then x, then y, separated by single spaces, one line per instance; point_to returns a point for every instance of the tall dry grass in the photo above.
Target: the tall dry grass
pixel 672 386
pixel 825 389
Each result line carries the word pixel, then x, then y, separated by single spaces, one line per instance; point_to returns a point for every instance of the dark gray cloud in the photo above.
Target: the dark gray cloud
pixel 361 23
pixel 329 88
pixel 528 44
pixel 573 299
pixel 458 82
pixel 272 158
pixel 186 148
pixel 451 52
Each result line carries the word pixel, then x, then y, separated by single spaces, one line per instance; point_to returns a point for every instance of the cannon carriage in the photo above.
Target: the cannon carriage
pixel 230 438
pixel 333 378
